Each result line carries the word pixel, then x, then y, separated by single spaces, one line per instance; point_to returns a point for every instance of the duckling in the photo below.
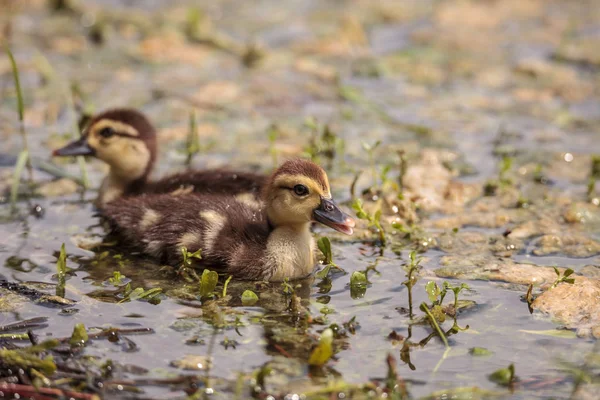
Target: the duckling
pixel 270 240
pixel 126 141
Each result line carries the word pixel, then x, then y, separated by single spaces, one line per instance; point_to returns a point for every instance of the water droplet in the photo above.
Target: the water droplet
pixel 568 157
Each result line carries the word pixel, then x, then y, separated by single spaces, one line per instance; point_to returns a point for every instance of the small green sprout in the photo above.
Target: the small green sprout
pixel 186 270
pixel 505 167
pixel 504 376
pixel 324 245
pixel 208 283
pixel 193 142
pixel 117 278
pixel 249 298
pixel 79 337
pixel 403 167
pixel 593 179
pixel 225 286
pixel 61 271
pixel 480 351
pixel 411 269
pixel 288 288
pixel 373 220
pixel 564 278
pixel 433 320
pixel 324 350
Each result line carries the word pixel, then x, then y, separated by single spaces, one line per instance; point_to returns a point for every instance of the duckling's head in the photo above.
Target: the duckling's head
pixel 122 138
pixel 298 192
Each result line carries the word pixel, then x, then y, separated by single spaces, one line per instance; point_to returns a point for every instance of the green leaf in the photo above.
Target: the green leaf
pixel 556 271
pixel 557 333
pixel 325 246
pixel 225 285
pixel 480 351
pixel 61 271
pixel 433 291
pixel 503 376
pixel 324 350
pixel 208 282
pixel 135 293
pixel 249 298
pixel 79 336
pixel 568 272
pixel 322 274
pixel 19 167
pixel 15 71
pixel 150 293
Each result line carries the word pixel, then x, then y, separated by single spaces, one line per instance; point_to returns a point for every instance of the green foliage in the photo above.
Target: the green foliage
pixel 564 278
pixel 374 220
pixel 324 350
pixel 15 71
pixel 358 284
pixel 61 271
pixel 504 376
pixel 287 288
pixel 594 177
pixel 79 337
pixel 249 298
pixel 434 323
pixel 117 278
pixel 192 142
pixel 324 142
pixel 21 358
pixel 225 285
pixel 273 134
pixel 324 245
pixel 208 283
pixel 152 296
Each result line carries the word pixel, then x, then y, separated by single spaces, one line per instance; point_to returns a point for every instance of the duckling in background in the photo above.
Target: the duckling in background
pixel 268 240
pixel 126 141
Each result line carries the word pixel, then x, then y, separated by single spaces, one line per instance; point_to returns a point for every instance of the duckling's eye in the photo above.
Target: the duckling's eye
pixel 106 132
pixel 300 190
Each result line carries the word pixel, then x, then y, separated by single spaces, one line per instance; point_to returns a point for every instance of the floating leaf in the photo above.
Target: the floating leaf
pixel 324 350
pixel 504 376
pixel 557 333
pixel 358 284
pixel 249 298
pixel 480 351
pixel 208 282
pixel 79 336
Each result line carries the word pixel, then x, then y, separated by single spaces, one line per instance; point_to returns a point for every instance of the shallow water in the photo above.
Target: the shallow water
pixel 453 76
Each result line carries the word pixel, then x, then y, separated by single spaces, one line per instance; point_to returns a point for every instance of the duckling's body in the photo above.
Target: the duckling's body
pixel 268 240
pixel 126 141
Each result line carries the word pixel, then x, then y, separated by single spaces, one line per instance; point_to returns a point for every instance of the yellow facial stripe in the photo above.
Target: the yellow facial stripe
pixel 289 181
pixel 117 126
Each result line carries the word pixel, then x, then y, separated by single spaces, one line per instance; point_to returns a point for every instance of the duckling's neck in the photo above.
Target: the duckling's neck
pixel 116 185
pixel 291 250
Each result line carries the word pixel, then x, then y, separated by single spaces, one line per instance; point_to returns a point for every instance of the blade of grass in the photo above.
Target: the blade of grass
pixel 50 74
pixel 20 106
pixel 19 166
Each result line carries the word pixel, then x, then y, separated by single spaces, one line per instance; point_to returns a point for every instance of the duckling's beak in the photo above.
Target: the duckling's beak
pixel 76 148
pixel 329 213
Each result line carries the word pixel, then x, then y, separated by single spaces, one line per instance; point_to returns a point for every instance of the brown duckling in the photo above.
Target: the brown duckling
pixel 126 141
pixel 270 240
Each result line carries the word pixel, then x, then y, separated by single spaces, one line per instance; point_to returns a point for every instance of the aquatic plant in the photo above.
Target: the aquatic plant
pixel 79 337
pixel 374 220
pixel 117 278
pixel 504 376
pixel 358 284
pixel 186 270
pixel 192 141
pixel 61 271
pixel 323 142
pixel 208 283
pixel 152 296
pixel 411 269
pixel 23 159
pixel 563 278
pixel 593 179
pixel 249 298
pixel 324 350
pixel 324 244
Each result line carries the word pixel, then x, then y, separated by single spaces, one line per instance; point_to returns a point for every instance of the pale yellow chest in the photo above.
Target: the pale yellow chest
pixel 291 253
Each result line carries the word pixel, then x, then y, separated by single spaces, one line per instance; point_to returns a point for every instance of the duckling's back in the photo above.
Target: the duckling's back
pixel 231 232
